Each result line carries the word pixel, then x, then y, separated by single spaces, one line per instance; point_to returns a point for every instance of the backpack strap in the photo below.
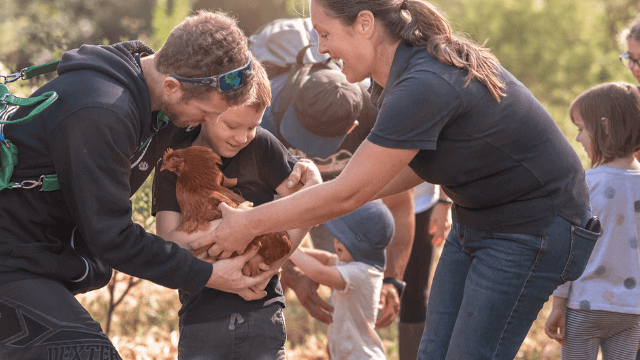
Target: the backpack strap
pixel 8 105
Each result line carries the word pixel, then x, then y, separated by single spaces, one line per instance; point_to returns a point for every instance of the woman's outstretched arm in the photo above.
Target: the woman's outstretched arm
pixel 368 172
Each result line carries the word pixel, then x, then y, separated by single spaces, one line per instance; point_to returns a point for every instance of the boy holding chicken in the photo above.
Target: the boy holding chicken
pixel 216 324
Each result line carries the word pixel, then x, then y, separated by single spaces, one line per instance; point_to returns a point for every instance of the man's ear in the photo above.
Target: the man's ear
pixel 171 87
pixel 365 23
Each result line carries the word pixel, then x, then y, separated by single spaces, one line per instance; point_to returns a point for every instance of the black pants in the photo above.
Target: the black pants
pixel 41 319
pixel 413 306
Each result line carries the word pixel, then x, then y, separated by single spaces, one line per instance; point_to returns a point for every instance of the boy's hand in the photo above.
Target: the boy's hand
pixel 304 172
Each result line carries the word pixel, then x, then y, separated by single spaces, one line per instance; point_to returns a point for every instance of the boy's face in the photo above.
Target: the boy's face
pixel 342 252
pixel 234 130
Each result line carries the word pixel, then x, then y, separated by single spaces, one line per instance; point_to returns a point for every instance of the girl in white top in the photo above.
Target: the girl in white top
pixel 602 307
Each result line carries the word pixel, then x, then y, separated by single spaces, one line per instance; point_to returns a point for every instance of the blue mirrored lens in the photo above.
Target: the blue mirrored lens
pixel 232 81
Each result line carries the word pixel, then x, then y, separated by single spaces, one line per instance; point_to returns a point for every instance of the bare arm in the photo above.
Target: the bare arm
pixel 317 271
pixel 370 169
pixel 296 235
pixel 406 179
pixel 556 323
pixel 324 257
pixel 399 250
pixel 440 222
pixel 166 224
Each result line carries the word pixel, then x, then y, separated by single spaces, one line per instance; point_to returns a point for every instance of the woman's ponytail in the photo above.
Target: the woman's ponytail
pixel 429 29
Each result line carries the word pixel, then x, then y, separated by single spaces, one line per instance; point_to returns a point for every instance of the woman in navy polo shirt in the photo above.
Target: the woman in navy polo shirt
pixel 449 114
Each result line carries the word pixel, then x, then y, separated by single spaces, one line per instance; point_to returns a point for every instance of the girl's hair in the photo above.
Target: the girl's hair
pixel 611 116
pixel 420 23
pixel 632 31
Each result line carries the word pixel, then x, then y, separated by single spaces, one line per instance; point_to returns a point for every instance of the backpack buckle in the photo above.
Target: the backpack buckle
pixel 29 184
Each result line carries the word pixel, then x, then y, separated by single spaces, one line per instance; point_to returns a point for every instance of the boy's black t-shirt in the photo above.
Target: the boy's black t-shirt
pixel 506 165
pixel 260 168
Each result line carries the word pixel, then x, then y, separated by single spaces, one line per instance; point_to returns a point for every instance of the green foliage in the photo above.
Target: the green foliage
pixel 165 19
pixel 38 31
pixel 556 48
pixel 141 205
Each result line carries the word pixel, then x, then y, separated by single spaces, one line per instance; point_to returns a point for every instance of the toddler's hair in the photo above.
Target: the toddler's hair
pixel 611 115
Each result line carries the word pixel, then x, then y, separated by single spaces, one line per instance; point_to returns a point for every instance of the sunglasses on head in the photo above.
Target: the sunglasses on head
pixel 226 82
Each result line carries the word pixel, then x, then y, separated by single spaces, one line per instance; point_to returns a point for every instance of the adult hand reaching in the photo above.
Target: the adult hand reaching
pixel 227 276
pixel 228 236
pixel 307 292
pixel 389 305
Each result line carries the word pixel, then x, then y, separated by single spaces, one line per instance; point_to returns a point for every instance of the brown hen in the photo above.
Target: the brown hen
pixel 200 190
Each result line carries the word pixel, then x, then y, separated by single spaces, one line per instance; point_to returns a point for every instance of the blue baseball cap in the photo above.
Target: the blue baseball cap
pixel 322 113
pixel 366 233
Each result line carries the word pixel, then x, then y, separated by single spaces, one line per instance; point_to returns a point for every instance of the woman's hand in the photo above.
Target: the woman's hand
pixel 227 276
pixel 230 235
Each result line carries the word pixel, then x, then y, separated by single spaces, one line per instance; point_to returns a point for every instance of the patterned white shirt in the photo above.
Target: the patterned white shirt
pixel 610 280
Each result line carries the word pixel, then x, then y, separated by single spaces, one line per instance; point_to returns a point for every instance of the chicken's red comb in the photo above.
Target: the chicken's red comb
pixel 169 151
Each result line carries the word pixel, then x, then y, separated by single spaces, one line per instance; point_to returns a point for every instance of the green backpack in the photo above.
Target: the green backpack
pixel 8 105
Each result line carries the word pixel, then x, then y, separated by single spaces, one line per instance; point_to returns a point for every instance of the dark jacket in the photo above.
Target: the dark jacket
pixel 91 138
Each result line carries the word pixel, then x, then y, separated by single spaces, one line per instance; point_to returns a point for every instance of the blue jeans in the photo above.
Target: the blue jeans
pixel 258 334
pixel 488 288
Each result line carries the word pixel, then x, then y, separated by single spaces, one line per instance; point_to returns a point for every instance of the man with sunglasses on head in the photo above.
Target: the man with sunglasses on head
pixel 119 107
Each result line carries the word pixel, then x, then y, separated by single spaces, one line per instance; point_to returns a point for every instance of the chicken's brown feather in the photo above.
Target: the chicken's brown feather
pixel 199 191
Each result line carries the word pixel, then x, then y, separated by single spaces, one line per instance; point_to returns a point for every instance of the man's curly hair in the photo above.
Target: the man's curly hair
pixel 206 44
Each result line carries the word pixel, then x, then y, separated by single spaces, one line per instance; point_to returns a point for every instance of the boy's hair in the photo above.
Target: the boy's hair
pixel 206 44
pixel 260 96
pixel 611 115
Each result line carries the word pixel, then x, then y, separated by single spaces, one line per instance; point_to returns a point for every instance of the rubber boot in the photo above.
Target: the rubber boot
pixel 409 336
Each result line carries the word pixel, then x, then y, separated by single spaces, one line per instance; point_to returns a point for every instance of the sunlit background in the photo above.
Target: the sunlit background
pixel 556 48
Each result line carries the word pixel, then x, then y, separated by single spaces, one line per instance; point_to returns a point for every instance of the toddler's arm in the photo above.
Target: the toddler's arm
pixel 318 270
